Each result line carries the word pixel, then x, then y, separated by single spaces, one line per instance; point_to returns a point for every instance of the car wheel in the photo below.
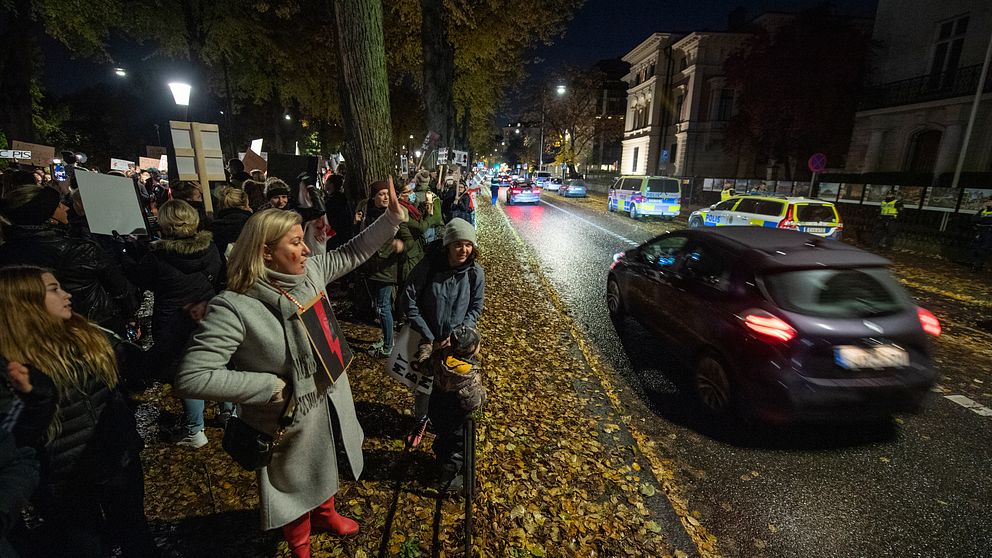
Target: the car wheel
pixel 633 212
pixel 614 302
pixel 695 223
pixel 712 386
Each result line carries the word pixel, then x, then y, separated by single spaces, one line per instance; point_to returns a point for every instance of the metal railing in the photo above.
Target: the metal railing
pixel 959 82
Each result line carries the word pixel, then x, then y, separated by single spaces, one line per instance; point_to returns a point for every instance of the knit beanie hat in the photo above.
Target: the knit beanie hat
pixel 276 188
pixel 376 186
pixel 464 340
pixel 459 229
pixel 35 211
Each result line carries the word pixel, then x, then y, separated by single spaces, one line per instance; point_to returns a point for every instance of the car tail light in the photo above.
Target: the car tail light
pixel 637 199
pixel 788 222
pixel 768 326
pixel 929 322
pixel 536 190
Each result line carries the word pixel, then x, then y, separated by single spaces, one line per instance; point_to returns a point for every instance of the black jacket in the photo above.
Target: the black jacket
pixel 18 479
pixel 98 286
pixel 179 272
pixel 341 217
pixel 97 433
pixel 227 226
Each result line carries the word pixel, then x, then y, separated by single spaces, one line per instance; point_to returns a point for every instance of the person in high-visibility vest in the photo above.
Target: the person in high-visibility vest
pixel 727 193
pixel 888 218
pixel 983 237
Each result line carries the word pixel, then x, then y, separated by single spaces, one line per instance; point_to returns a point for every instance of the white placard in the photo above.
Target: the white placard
pixel 256 145
pixel 163 163
pixel 442 156
pixel 111 204
pixel 405 346
pixel 120 164
pixel 182 139
pixel 211 140
pixel 14 154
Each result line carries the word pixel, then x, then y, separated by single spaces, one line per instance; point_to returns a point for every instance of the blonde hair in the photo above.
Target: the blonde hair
pixel 232 197
pixel 178 219
pixel 265 228
pixel 68 352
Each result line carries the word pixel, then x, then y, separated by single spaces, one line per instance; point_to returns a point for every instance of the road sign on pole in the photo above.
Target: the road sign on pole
pixel 817 162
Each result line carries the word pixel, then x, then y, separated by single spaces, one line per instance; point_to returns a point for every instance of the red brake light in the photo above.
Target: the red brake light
pixel 929 322
pixel 788 222
pixel 768 326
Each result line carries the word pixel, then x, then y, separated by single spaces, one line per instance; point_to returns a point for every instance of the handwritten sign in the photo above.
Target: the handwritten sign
pixel 442 156
pixel 398 366
pixel 120 164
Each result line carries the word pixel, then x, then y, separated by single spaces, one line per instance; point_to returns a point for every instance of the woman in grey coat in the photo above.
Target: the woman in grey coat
pixel 252 349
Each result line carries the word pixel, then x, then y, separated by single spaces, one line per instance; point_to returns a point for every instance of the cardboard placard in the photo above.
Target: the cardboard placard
pixel 163 163
pixel 326 340
pixel 256 145
pixel 252 160
pixel 41 155
pixel 120 164
pixel 111 204
pixel 155 151
pixel 148 163
pixel 288 167
pixel 405 346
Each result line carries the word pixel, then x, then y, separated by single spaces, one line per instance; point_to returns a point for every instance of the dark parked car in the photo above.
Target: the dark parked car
pixel 574 188
pixel 779 325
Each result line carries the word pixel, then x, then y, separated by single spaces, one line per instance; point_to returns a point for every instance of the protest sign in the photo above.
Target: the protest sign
pixel 256 145
pixel 148 163
pixel 155 151
pixel 41 155
pixel 442 156
pixel 198 154
pixel 111 203
pixel 326 340
pixel 14 154
pixel 288 167
pixel 252 160
pixel 120 164
pixel 163 163
pixel 460 157
pixel 405 346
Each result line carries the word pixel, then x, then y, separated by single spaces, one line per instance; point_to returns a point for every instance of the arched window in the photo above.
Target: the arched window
pixel 923 150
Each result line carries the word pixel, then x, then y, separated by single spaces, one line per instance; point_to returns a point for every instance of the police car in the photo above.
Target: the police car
pixel 796 213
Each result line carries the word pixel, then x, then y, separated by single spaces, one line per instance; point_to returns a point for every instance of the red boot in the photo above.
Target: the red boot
pixel 326 518
pixel 297 535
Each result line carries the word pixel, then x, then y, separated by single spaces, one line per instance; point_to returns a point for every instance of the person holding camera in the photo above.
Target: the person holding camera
pixel 252 348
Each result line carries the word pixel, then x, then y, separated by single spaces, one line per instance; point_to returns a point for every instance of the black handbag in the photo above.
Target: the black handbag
pixel 251 448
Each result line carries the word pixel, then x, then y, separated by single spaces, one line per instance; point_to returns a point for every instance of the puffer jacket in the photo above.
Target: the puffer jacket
pixel 227 226
pixel 97 434
pixel 437 297
pixel 179 272
pixel 98 286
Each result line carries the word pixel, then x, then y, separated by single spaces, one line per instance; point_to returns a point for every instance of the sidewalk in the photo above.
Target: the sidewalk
pixel 559 472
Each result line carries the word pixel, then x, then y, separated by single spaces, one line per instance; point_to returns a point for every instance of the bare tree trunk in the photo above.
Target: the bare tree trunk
pixel 364 94
pixel 439 71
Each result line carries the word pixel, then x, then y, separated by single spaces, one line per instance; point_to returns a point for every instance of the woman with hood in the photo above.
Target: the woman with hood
pixel 183 271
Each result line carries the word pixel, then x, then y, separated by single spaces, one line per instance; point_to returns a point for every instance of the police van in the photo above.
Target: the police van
pixel 796 213
pixel 642 196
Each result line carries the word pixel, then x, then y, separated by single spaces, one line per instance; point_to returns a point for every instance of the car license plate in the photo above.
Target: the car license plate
pixel 883 356
pixel 819 230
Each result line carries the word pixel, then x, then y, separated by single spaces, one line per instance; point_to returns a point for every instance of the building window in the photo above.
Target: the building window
pixel 947 51
pixel 651 70
pixel 679 101
pixel 633 168
pixel 684 63
pixel 725 106
pixel 923 152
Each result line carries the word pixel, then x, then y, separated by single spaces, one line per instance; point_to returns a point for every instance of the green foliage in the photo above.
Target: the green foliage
pixel 410 548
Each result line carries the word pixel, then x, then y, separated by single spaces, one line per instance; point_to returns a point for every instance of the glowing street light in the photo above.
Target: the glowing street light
pixel 120 72
pixel 288 117
pixel 417 153
pixel 180 92
pixel 560 89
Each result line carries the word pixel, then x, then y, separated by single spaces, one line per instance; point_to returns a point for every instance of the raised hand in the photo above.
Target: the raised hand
pixel 394 206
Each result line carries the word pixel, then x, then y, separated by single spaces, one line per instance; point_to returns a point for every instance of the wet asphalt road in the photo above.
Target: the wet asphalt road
pixel 915 486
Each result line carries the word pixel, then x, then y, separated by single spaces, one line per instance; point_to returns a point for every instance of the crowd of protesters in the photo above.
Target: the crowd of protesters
pixel 226 287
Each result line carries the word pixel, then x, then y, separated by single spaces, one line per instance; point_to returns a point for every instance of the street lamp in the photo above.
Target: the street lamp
pixel 560 89
pixel 120 72
pixel 288 117
pixel 180 92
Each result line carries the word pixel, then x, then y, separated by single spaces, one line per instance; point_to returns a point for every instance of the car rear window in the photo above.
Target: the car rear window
pixel 816 213
pixel 663 185
pixel 770 207
pixel 837 293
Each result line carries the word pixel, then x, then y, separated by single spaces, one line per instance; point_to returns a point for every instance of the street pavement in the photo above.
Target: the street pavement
pixel 913 486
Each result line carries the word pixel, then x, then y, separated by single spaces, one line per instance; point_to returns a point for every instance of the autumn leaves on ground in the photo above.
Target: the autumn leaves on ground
pixel 558 473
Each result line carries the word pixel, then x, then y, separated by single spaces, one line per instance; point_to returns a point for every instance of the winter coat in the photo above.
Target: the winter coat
pixel 249 344
pixel 462 208
pixel 341 217
pixel 383 267
pixel 437 298
pixel 416 246
pixel 98 286
pixel 179 272
pixel 18 479
pixel 460 376
pixel 227 227
pixel 96 439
